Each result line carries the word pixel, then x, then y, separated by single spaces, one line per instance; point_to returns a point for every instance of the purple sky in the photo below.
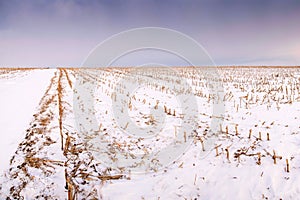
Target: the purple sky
pixel 62 33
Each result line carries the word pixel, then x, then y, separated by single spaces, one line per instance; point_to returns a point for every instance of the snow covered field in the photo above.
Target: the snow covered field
pixel 123 133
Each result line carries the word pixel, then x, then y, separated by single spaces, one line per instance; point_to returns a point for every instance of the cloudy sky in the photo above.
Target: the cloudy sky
pixel 62 33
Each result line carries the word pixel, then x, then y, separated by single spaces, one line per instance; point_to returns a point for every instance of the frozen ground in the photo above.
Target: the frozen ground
pixel 100 134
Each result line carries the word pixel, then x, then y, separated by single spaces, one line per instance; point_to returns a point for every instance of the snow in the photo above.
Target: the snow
pixel 263 102
pixel 20 95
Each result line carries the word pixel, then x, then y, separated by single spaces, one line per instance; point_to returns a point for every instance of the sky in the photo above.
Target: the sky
pixel 233 32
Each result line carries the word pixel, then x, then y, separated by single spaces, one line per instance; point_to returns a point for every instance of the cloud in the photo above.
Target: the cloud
pixel 63 32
